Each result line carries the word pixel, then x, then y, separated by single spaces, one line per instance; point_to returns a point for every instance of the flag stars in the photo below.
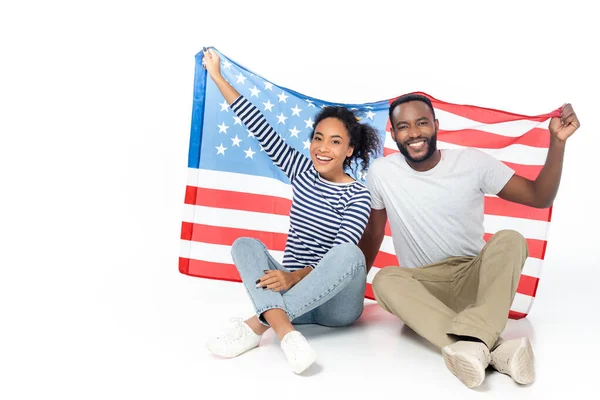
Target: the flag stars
pixel 249 153
pixel 370 115
pixel 220 149
pixel 268 106
pixel 238 121
pixel 310 103
pixel 224 106
pixel 294 132
pixel 306 144
pixel 281 119
pixel 240 78
pixel 309 122
pixel 223 128
pixel 236 141
pixel 227 64
pixel 282 97
pixel 295 111
pixel 255 91
pixel 250 133
pixel 268 86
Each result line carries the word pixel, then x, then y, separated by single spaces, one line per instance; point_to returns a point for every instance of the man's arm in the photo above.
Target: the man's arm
pixel 541 192
pixel 373 236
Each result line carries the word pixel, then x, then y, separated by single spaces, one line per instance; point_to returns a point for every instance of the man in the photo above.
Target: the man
pixel 452 288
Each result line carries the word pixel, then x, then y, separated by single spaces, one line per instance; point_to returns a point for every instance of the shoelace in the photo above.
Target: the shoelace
pixel 502 362
pixel 294 344
pixel 235 331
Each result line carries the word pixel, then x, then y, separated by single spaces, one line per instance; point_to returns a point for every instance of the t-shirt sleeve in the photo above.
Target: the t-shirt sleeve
pixel 375 189
pixel 493 173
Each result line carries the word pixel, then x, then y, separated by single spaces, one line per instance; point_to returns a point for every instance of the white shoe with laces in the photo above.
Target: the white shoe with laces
pixel 298 352
pixel 235 340
pixel 515 358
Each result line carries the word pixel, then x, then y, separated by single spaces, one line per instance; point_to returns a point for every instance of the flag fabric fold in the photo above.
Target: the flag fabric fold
pixel 233 188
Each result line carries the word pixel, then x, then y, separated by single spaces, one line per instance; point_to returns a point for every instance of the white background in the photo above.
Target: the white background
pixel 95 111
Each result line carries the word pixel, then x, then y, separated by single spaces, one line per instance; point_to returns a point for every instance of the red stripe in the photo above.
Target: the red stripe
pixel 384 259
pixel 527 171
pixel 536 247
pixel 211 270
pixel 226 236
pixel 369 292
pixel 537 137
pixel 528 285
pixel 516 315
pixel 237 200
pixel 483 114
pixel 388 230
pixel 498 206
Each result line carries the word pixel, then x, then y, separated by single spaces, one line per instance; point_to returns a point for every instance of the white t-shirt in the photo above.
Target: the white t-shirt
pixel 438 213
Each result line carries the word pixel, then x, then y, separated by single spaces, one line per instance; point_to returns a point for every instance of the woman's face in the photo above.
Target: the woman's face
pixel 329 147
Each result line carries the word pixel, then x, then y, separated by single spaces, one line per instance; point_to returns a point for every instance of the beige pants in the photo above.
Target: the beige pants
pixel 466 296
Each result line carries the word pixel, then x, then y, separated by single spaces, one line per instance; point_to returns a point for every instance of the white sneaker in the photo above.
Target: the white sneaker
pixel 234 341
pixel 515 358
pixel 298 352
pixel 467 361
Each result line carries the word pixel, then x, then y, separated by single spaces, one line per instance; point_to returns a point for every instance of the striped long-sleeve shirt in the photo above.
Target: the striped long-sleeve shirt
pixel 323 213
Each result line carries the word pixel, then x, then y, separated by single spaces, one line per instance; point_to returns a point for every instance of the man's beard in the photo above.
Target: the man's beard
pixel 432 147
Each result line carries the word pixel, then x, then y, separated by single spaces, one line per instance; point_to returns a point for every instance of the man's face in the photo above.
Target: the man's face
pixel 414 130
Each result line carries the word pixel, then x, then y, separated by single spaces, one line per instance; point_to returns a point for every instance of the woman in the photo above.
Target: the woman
pixel 323 276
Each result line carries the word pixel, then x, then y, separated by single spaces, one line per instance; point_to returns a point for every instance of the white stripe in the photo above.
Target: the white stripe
pixel 521 303
pixel 214 252
pixel 529 228
pixel 514 153
pixel 235 182
pixel 371 274
pixel 387 245
pixel 236 219
pixel 454 122
pixel 532 267
pixel 184 248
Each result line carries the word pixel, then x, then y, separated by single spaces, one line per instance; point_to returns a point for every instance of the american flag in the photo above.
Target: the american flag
pixel 233 188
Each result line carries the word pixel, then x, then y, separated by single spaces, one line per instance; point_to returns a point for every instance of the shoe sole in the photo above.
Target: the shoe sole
pixel 465 367
pixel 214 350
pixel 522 363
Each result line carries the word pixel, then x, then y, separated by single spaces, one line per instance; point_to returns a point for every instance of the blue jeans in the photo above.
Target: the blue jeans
pixel 331 295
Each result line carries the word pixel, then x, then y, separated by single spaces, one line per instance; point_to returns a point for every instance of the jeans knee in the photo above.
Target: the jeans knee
pixel 348 254
pixel 244 244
